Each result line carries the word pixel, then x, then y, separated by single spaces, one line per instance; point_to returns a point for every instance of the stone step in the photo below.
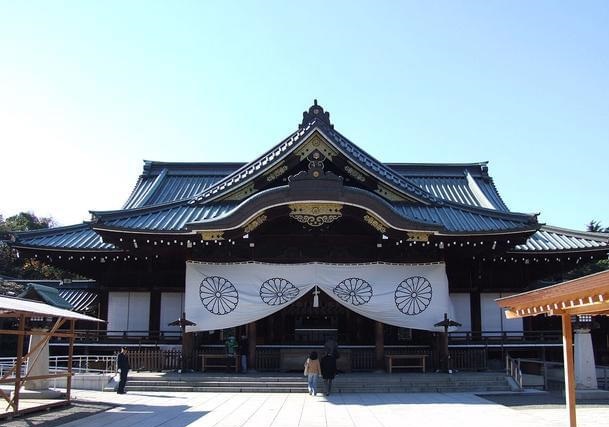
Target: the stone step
pixel 349 383
pixel 375 389
pixel 338 382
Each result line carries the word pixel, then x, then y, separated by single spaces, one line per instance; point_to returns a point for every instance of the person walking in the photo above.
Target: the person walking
pixel 122 364
pixel 312 371
pixel 328 371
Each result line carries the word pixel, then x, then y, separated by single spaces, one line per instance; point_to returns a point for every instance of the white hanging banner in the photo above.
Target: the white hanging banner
pixel 220 296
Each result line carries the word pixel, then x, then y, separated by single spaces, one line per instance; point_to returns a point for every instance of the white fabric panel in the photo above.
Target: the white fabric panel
pixel 172 307
pixel 463 313
pixel 118 308
pixel 128 311
pixel 220 296
pixel 139 312
pixel 493 317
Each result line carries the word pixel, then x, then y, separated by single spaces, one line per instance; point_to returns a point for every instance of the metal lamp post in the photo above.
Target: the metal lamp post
pixel 445 360
pixel 182 322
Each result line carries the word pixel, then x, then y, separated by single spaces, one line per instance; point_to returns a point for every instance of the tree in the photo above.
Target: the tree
pixel 12 266
pixel 596 227
pixel 24 221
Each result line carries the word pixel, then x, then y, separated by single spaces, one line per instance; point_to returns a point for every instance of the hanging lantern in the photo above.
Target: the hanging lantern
pixel 316 297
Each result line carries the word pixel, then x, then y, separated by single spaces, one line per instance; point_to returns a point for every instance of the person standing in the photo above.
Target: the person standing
pixel 312 371
pixel 122 363
pixel 243 349
pixel 328 371
pixel 231 346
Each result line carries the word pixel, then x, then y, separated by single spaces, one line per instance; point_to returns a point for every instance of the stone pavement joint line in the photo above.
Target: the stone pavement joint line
pixel 177 409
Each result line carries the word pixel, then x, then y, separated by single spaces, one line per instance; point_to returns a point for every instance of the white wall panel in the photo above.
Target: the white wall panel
pixel 139 312
pixel 493 317
pixel 118 307
pixel 172 307
pixel 463 315
pixel 128 311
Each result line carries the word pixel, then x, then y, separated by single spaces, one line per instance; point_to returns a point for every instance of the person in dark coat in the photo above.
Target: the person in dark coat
pixel 328 370
pixel 122 363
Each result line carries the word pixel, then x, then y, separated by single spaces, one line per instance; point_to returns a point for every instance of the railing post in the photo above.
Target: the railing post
pixel 545 375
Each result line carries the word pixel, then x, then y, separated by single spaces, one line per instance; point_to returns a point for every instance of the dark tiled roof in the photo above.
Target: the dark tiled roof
pixel 456 220
pixel 554 239
pixel 467 184
pixel 169 182
pixel 367 162
pixel 453 218
pixel 77 237
pixel 163 218
pixel 82 300
pixel 376 168
pixel 46 294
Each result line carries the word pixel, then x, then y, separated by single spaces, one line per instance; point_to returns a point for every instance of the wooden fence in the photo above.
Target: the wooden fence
pixel 268 359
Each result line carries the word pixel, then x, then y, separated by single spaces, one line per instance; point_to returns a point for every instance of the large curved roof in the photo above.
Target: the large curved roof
pixel 458 198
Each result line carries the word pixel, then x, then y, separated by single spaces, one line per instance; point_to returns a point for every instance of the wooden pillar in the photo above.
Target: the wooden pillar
pixel 271 329
pixel 70 355
pixel 154 319
pixel 251 340
pixel 567 345
pixel 475 313
pixel 379 341
pixel 19 361
pixel 187 348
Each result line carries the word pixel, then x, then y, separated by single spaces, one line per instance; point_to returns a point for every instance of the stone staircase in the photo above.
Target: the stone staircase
pixel 345 383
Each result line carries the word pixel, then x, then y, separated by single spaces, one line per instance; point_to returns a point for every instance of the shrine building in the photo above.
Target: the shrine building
pixel 316 240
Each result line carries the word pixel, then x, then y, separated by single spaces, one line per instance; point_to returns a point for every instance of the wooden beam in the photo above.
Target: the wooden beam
pixel 567 344
pixel 14 332
pixel 511 314
pixel 592 309
pixel 21 335
pixel 20 341
pixel 36 377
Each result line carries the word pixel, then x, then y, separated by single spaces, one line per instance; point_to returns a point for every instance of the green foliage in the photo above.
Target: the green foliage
pixel 25 221
pixel 596 227
pixel 595 267
pixel 18 268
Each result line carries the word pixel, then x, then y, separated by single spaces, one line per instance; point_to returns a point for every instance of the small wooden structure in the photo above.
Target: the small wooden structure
pixel 585 295
pixel 23 311
pixel 399 361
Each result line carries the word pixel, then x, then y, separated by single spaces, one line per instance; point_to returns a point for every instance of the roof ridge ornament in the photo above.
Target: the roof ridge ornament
pixel 315 112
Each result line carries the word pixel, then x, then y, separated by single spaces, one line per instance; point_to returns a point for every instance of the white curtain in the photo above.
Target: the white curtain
pixel 220 296
pixel 172 307
pixel 128 311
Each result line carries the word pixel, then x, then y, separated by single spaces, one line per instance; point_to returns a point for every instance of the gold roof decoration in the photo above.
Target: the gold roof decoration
pixel 316 214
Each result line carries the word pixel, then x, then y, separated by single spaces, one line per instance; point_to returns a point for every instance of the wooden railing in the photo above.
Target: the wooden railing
pixel 468 359
pixel 517 368
pixel 506 338
pixel 512 369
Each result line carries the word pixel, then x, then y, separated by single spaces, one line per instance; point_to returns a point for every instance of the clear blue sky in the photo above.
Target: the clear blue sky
pixel 90 89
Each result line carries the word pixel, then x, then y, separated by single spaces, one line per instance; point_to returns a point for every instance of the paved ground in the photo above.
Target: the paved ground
pixel 149 409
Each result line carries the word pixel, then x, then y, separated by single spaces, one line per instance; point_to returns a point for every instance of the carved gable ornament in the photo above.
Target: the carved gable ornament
pixel 316 143
pixel 316 214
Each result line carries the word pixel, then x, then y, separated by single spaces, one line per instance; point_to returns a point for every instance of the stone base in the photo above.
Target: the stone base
pixel 39 394
pixel 591 394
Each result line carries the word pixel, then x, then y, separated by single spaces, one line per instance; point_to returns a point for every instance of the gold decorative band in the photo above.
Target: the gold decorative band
pixel 255 223
pixel 375 222
pixel 212 235
pixel 316 214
